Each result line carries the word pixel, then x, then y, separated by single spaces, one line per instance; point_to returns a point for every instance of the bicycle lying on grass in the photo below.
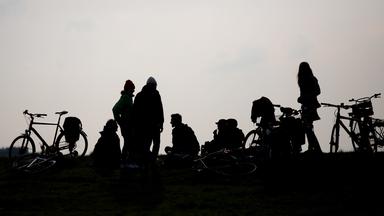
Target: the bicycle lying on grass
pixel 34 163
pixel 225 162
pixel 366 133
pixel 69 142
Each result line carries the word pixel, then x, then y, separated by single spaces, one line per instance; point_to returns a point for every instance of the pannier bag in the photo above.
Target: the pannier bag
pixel 72 128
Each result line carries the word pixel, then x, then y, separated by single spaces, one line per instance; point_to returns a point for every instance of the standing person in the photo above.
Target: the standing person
pixel 309 90
pixel 149 120
pixel 122 112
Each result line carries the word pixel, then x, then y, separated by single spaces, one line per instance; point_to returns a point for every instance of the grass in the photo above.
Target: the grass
pixel 341 184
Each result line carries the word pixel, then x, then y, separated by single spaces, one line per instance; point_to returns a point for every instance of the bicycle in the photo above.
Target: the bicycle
pixel 278 138
pixel 25 144
pixel 225 162
pixel 366 133
pixel 33 163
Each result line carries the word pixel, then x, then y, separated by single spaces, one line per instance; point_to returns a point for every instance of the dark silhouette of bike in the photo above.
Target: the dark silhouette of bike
pixel 25 144
pixel 277 139
pixel 225 162
pixel 34 163
pixel 366 133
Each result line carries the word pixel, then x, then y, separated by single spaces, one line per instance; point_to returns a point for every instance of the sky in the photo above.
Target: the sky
pixel 211 59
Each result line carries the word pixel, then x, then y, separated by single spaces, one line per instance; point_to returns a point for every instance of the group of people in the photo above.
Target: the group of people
pixel 141 123
pixel 287 139
pixel 227 135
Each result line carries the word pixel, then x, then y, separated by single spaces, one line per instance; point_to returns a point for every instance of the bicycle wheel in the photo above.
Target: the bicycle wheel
pixel 252 139
pixel 363 136
pixel 379 135
pixel 21 145
pixel 77 149
pixel 334 143
pixel 355 130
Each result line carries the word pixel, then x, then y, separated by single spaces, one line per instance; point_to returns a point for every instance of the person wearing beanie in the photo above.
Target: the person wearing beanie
pixel 122 113
pixel 149 119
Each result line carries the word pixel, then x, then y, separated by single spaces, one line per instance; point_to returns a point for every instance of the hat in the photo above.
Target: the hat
pixel 221 122
pixel 129 85
pixel 152 81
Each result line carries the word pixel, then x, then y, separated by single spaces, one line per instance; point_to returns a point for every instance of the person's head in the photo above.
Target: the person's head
pixel 305 72
pixel 232 123
pixel 129 86
pixel 176 119
pixel 221 124
pixel 111 126
pixel 152 82
pixel 262 107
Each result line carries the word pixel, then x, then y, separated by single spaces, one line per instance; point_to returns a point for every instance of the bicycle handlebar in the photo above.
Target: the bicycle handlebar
pixel 377 95
pixel 342 105
pixel 37 115
pixel 61 113
pixel 40 115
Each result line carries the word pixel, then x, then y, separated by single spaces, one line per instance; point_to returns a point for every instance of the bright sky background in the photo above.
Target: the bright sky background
pixel 211 59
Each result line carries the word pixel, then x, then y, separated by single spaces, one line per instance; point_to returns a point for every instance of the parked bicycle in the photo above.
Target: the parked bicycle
pixel 366 133
pixel 225 162
pixel 69 142
pixel 276 139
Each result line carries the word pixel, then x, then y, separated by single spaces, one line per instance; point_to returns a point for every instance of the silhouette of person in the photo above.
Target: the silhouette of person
pixel 149 120
pixel 219 140
pixel 107 153
pixel 235 135
pixel 185 145
pixel 122 112
pixel 309 90
pixel 264 109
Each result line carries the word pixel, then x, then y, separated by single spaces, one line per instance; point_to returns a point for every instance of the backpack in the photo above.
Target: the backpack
pixel 72 128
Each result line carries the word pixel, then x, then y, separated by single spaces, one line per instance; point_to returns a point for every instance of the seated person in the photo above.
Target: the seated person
pixel 219 138
pixel 235 135
pixel 184 142
pixel 107 153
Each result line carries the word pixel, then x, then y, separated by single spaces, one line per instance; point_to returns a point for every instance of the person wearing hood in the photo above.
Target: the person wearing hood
pixel 122 113
pixel 149 120
pixel 106 154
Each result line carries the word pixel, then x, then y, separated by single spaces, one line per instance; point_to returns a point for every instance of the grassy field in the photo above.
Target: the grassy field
pixel 341 184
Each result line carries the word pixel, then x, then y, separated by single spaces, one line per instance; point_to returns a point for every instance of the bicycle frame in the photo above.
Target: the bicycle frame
pixel 202 158
pixel 31 129
pixel 337 125
pixel 360 118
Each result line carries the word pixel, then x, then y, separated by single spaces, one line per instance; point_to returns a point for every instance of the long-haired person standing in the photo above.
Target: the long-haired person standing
pixel 309 90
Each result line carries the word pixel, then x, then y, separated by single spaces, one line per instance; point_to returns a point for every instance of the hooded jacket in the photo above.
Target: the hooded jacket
pixel 148 108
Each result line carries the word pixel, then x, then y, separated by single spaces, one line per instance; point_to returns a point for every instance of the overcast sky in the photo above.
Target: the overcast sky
pixel 211 59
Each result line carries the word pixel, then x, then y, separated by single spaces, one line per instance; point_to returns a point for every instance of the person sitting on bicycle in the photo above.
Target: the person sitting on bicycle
pixel 185 145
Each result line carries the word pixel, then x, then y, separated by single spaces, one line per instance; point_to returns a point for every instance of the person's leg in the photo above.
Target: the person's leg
pixel 156 144
pixel 313 143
